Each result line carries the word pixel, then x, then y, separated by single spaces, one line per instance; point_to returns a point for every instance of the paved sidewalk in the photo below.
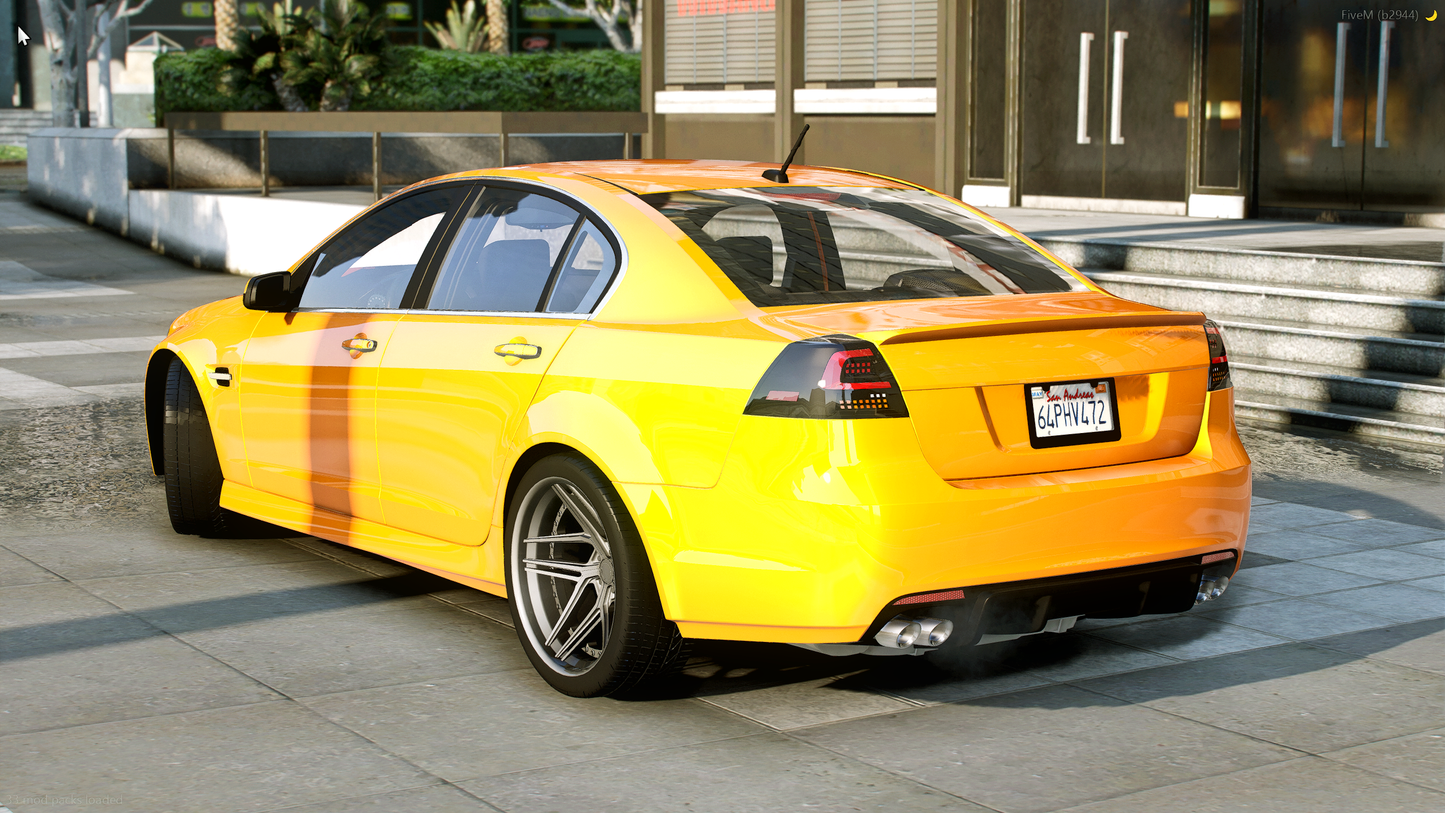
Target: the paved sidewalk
pixel 148 671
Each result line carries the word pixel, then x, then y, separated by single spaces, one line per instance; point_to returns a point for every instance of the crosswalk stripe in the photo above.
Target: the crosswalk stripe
pixel 129 344
pixel 18 281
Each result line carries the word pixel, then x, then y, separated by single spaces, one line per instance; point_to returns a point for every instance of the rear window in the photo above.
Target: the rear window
pixel 816 245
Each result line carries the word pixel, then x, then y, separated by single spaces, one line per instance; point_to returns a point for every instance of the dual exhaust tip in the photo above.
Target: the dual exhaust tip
pixel 903 632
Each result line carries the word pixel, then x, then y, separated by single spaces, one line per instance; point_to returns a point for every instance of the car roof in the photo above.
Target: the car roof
pixel 672 175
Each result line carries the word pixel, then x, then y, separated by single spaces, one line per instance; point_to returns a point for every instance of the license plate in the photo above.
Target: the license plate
pixel 1072 412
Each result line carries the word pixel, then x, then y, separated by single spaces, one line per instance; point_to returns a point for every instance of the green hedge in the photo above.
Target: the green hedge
pixel 418 78
pixel 193 81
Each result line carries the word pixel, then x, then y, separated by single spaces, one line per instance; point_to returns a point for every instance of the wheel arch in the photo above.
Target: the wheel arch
pixel 155 406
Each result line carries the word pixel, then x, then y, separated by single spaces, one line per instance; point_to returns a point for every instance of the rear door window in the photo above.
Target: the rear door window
pixel 503 254
pixel 816 245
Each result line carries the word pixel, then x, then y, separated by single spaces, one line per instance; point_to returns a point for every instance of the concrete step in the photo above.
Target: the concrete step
pixel 1379 423
pixel 1407 278
pixel 1314 305
pixel 1341 347
pixel 1326 385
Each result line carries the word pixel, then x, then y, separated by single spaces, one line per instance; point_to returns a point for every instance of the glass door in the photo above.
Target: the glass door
pixel 1404 134
pixel 1105 101
pixel 1351 108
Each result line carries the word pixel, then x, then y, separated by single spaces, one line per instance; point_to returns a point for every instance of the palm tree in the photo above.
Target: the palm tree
pixel 228 24
pixel 497 26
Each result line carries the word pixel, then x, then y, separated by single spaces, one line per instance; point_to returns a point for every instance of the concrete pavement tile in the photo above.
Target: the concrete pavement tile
pixel 763 773
pixel 1296 695
pixel 976 672
pixel 1436 583
pixel 1435 548
pixel 1297 545
pixel 1286 515
pixel 17 570
pixel 1386 565
pixel 1041 749
pixel 1075 656
pixel 343 650
pixel 1239 595
pixel 430 798
pixel 251 758
pixel 1418 645
pixel 364 561
pixel 1377 533
pixel 1396 602
pixel 117 680
pixel 484 725
pixel 1188 637
pixel 1297 579
pixel 1260 501
pixel 811 702
pixel 222 597
pixel 1418 758
pixel 1297 619
pixel 498 612
pixel 126 552
pixel 1308 785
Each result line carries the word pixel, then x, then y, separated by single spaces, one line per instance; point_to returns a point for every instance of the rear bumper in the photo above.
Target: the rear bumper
pixel 816 527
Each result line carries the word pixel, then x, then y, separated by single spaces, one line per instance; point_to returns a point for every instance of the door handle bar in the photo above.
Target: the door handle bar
pixel 1383 90
pixel 1116 104
pixel 1085 40
pixel 1342 31
pixel 518 350
pixel 359 344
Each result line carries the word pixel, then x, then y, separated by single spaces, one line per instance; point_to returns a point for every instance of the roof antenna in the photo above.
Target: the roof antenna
pixel 780 175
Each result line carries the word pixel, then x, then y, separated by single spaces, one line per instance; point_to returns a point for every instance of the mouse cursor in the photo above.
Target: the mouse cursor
pixel 24 37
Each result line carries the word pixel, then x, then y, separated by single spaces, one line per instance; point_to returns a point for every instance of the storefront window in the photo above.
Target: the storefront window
pixel 1223 86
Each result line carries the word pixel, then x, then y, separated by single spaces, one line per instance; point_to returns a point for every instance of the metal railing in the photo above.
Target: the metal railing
pixel 462 122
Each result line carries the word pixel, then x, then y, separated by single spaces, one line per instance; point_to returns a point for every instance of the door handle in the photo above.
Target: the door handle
pixel 1383 90
pixel 1085 40
pixel 358 345
pixel 516 350
pixel 1342 31
pixel 1116 104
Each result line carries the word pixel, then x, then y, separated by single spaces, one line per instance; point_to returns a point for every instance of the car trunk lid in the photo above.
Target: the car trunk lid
pixel 966 368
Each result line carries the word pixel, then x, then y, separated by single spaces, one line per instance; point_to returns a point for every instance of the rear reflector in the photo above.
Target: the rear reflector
pixel 1210 558
pixel 828 377
pixel 930 598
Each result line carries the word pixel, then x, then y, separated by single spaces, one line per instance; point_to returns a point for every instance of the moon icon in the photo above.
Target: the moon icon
pixel 1433 15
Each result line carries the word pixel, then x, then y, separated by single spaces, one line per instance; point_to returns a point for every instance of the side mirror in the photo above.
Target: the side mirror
pixel 268 292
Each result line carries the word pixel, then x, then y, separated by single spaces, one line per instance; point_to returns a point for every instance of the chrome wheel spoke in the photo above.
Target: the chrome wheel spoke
pixel 592 619
pixel 553 568
pixel 572 601
pixel 582 513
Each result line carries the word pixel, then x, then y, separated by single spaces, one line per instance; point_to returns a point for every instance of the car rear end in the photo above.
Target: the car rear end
pixel 960 429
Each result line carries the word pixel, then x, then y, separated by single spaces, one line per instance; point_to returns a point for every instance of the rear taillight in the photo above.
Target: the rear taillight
pixel 828 377
pixel 1218 357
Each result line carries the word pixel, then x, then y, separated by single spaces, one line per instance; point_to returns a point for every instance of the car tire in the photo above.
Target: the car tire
pixel 192 468
pixel 584 602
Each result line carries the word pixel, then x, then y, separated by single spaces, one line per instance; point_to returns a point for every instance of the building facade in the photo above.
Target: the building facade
pixel 1230 108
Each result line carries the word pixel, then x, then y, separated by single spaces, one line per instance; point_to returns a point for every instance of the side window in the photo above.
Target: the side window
pixel 368 265
pixel 503 253
pixel 590 266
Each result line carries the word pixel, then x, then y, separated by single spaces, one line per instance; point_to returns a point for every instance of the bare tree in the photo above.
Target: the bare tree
pixel 606 14
pixel 72 39
pixel 228 24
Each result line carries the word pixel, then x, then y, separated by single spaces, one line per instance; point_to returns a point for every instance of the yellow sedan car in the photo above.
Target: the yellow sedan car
pixel 653 401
